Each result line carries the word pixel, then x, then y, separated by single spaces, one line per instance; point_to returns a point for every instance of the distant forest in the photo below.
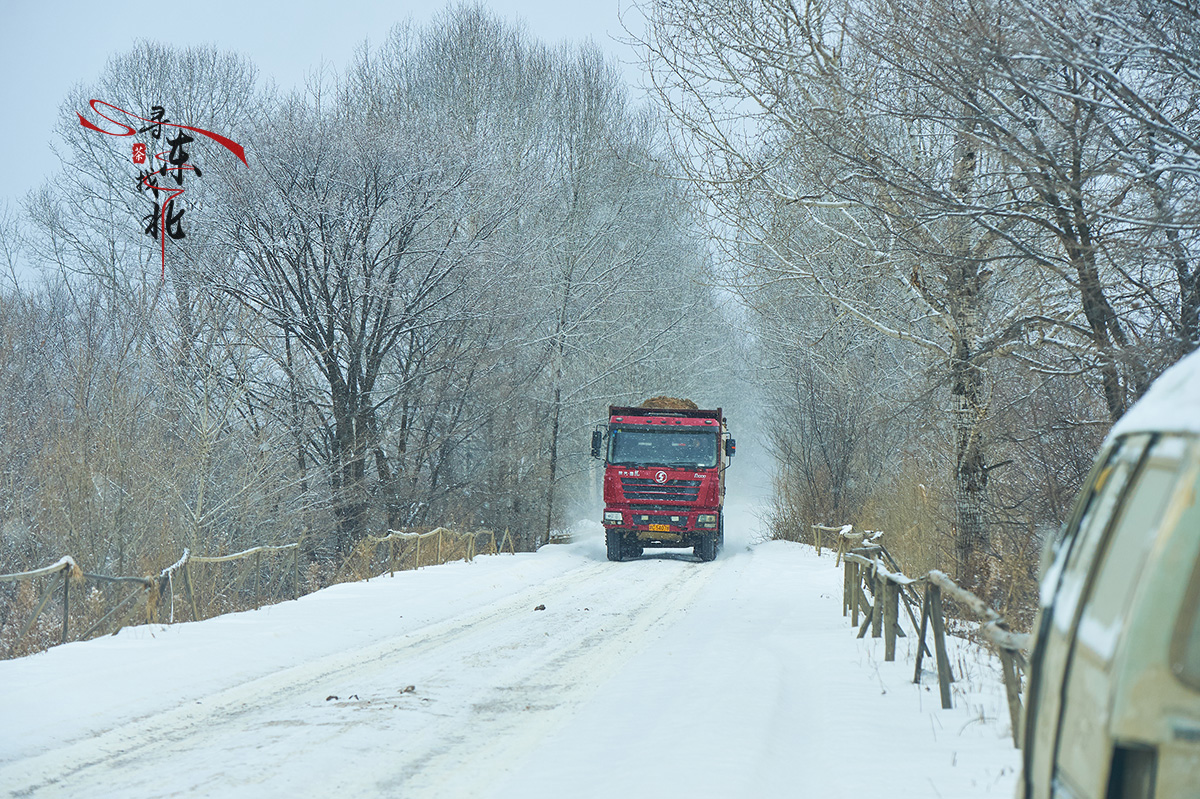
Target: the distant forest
pixel 924 252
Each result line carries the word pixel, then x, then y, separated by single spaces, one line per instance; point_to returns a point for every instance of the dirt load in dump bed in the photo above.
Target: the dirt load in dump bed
pixel 670 404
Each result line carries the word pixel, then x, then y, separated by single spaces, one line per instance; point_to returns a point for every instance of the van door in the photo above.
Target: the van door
pixel 1084 746
pixel 1062 586
pixel 1155 728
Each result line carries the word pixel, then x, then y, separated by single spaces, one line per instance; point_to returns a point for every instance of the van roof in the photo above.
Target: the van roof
pixel 1170 405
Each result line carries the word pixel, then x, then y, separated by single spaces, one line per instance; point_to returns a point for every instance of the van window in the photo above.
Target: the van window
pixel 1079 550
pixel 1121 563
pixel 1185 649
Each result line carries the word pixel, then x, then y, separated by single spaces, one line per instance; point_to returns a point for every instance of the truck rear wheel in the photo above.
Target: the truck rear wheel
pixel 706 547
pixel 612 539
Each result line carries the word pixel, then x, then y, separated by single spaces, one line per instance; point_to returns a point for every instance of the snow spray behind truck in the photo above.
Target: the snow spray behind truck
pixel 664 477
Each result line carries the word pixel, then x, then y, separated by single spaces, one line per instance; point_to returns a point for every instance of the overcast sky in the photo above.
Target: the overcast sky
pixel 46 48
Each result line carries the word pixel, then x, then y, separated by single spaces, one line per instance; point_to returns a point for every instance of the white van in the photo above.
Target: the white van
pixel 1113 700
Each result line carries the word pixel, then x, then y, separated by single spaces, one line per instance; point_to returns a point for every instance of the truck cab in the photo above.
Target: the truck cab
pixel 664 479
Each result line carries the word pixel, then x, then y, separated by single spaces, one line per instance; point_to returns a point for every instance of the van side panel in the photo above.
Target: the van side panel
pixel 1152 706
pixel 1084 746
pixel 1111 709
pixel 1061 589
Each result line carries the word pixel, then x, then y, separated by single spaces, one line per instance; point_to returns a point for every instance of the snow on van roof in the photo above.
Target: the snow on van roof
pixel 1172 403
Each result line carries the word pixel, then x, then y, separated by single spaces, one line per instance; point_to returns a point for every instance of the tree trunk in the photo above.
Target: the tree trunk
pixel 556 413
pixel 348 472
pixel 560 344
pixel 966 380
pixel 970 476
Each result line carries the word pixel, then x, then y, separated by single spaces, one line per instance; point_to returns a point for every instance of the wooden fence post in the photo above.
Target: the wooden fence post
pixel 939 644
pixel 855 581
pixel 66 600
pixel 296 572
pixel 191 590
pixel 890 600
pixel 439 559
pixel 214 571
pixel 890 588
pixel 877 614
pixel 1012 687
pixel 868 608
pixel 846 590
pixel 921 635
pixel 911 617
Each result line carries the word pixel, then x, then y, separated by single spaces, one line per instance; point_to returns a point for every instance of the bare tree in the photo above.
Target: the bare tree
pixel 797 133
pixel 1014 177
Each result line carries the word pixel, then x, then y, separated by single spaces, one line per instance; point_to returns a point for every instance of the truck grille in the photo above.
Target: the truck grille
pixel 646 490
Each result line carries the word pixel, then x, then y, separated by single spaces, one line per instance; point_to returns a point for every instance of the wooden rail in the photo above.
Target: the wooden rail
pixel 440 534
pixel 70 571
pixel 844 535
pixel 157 591
pixel 871 569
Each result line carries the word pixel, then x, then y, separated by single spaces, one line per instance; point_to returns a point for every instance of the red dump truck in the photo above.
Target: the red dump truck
pixel 664 478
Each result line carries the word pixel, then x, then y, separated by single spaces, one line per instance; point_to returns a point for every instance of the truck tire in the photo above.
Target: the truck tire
pixel 706 547
pixel 720 532
pixel 612 539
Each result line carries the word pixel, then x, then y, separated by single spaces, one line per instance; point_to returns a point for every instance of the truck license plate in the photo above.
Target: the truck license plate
pixel 660 528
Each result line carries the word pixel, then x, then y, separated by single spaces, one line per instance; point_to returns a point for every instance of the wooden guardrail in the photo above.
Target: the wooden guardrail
pixel 158 592
pixel 844 536
pixel 871 568
pixel 70 571
pixel 470 542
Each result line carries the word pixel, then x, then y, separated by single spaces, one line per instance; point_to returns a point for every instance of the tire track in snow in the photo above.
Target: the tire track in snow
pixel 279 687
pixel 529 680
pixel 497 745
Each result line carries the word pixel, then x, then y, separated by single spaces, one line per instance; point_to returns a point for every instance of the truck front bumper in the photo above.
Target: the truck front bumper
pixel 668 525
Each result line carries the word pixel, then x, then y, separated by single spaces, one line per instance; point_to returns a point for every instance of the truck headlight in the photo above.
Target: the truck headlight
pixel 707 520
pixel 612 516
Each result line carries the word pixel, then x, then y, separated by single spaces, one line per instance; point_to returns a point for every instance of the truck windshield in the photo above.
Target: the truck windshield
pixel 648 446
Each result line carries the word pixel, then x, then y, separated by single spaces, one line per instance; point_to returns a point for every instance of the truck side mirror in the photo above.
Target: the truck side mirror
pixel 597 442
pixel 730 447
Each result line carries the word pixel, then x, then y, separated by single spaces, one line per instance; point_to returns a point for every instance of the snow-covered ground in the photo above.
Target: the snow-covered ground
pixel 662 677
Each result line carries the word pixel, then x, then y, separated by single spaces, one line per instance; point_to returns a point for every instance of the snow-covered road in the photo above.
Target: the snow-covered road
pixel 661 677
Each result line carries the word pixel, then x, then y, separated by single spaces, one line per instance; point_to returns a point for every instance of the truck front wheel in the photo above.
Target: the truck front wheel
pixel 612 539
pixel 706 547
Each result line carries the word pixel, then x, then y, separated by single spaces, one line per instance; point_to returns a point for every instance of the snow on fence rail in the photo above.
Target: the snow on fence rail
pixel 155 592
pixel 469 541
pixel 867 571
